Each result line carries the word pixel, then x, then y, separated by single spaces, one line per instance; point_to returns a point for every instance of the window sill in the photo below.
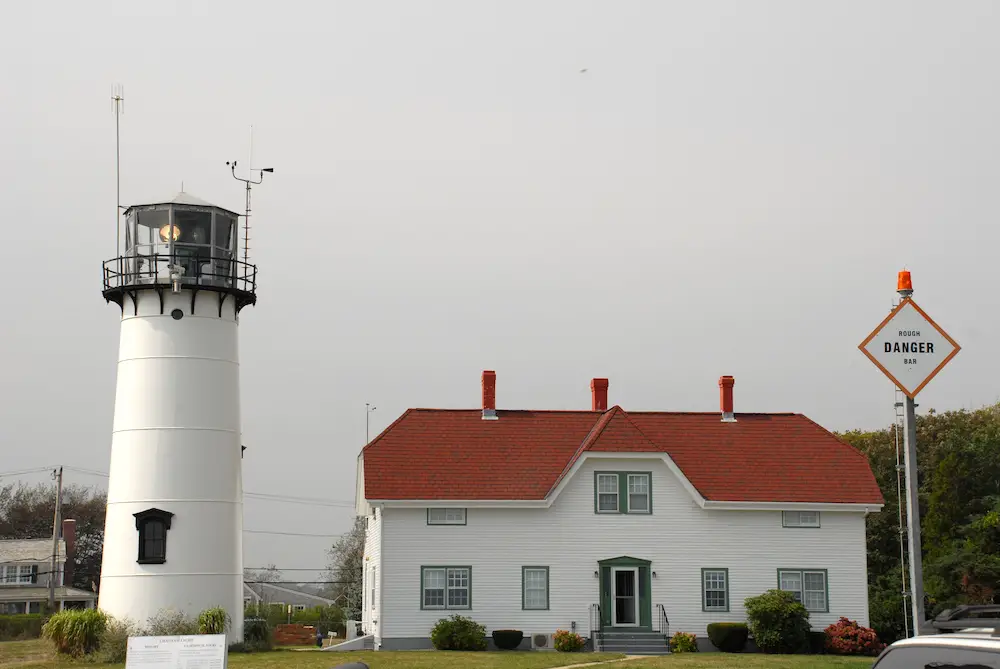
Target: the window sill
pixel 151 560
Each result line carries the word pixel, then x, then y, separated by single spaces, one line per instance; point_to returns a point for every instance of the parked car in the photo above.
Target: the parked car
pixel 966 639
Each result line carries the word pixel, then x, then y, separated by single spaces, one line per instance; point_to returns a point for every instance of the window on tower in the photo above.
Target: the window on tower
pixel 152 525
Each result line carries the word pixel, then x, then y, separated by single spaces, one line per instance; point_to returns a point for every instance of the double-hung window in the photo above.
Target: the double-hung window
pixel 535 588
pixel 607 493
pixel 623 492
pixel 808 585
pixel 638 493
pixel 446 588
pixel 715 589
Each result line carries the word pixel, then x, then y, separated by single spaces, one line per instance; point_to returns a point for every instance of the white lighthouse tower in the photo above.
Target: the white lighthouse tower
pixel 173 536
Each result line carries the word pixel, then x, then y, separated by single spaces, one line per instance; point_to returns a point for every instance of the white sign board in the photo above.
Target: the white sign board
pixel 909 347
pixel 202 651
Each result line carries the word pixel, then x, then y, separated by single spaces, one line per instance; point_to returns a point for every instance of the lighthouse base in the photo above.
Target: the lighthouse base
pixel 140 598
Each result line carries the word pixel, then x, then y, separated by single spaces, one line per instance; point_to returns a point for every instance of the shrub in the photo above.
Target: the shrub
pixel 458 633
pixel 213 621
pixel 779 624
pixel 683 642
pixel 257 632
pixel 18 627
pixel 507 639
pixel 171 623
pixel 846 637
pixel 728 637
pixel 568 642
pixel 113 645
pixel 76 632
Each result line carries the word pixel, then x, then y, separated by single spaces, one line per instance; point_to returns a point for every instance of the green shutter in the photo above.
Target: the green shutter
pixel 606 596
pixel 34 573
pixel 645 597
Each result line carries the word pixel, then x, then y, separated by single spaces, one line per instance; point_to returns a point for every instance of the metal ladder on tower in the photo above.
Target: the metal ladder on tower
pixel 903 557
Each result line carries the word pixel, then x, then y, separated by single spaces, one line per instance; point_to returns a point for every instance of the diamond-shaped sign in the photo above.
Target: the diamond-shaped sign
pixel 909 347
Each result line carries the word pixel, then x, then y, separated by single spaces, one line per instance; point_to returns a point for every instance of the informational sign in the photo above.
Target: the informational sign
pixel 201 651
pixel 909 347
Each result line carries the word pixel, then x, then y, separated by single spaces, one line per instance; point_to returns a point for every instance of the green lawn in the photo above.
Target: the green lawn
pixel 39 655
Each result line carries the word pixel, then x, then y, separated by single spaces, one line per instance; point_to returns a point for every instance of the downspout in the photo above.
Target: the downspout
pixel 376 643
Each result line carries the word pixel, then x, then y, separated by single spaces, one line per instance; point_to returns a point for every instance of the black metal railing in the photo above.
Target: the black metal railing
pixel 662 622
pixel 211 272
pixel 595 626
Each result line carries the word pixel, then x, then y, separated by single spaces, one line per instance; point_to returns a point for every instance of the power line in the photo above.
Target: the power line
pixel 262 496
pixel 36 470
pixel 296 534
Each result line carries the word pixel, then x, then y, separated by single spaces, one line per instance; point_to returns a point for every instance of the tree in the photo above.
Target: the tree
pixel 345 569
pixel 269 574
pixel 26 513
pixel 958 458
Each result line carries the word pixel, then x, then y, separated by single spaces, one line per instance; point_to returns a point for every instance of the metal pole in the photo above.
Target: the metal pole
pixel 55 541
pixel 913 513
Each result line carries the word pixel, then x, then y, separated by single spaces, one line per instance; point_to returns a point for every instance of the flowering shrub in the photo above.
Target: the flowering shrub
pixel 683 642
pixel 568 642
pixel 846 637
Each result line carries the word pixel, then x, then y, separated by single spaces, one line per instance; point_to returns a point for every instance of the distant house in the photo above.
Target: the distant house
pixel 25 570
pixel 622 526
pixel 283 595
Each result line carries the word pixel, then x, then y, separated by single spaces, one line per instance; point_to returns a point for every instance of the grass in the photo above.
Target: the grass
pixel 39 655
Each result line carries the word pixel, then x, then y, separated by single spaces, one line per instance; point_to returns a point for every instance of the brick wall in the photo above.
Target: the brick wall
pixel 295 635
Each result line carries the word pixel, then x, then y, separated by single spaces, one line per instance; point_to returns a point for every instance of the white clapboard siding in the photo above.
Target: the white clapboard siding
pixel 678 537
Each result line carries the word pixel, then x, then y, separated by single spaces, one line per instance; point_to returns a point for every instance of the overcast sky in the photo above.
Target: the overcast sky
pixel 728 188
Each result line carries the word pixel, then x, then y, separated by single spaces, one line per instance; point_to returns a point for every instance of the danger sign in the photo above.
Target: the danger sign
pixel 909 347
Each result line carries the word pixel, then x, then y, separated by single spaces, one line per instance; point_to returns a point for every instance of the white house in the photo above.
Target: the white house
pixel 621 526
pixel 26 568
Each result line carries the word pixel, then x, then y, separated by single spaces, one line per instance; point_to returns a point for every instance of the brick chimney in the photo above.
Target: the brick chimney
pixel 599 394
pixel 69 536
pixel 726 398
pixel 489 395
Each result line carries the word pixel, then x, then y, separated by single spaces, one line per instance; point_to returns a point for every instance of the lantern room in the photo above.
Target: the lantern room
pixel 185 243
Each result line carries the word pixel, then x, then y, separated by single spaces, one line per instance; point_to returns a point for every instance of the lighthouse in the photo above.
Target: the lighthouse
pixel 173 535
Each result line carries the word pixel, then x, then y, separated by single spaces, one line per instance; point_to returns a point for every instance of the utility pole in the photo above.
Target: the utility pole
pixel 58 475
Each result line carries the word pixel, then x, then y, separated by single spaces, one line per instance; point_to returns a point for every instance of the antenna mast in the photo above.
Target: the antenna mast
pixel 118 106
pixel 249 180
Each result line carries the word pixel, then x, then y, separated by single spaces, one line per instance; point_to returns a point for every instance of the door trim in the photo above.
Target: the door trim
pixel 635 596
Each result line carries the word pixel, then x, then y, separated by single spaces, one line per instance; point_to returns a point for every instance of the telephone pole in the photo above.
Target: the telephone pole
pixel 58 475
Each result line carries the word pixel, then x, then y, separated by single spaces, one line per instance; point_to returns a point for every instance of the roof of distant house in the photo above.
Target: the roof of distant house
pixel 444 454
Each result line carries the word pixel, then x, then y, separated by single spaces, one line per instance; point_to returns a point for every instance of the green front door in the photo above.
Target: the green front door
pixel 625 593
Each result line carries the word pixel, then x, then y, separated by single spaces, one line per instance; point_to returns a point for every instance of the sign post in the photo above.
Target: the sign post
pixel 910 349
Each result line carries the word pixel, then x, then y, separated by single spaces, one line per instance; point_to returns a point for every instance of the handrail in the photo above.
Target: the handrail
pixel 662 622
pixel 137 271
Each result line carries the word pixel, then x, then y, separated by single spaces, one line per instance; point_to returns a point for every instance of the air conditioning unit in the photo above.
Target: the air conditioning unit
pixel 543 641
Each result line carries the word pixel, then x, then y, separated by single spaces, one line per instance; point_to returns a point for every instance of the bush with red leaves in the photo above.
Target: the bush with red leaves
pixel 846 637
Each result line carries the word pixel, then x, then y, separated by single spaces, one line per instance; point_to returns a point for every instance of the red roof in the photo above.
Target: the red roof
pixel 441 454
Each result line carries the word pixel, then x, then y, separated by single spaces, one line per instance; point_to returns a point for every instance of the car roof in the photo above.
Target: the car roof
pixel 971 638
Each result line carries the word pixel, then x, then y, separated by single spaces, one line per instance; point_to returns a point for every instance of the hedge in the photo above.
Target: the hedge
pixel 18 627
